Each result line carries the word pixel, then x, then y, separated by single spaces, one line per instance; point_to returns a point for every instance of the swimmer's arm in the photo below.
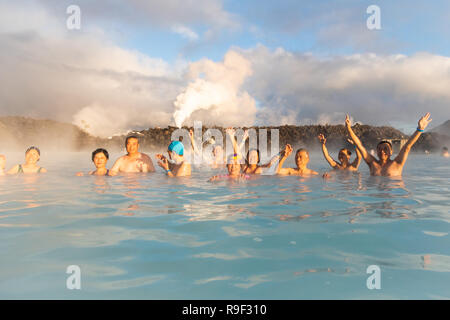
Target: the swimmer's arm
pixel 13 170
pixel 241 146
pixel 404 152
pixel 271 162
pixel 230 133
pixel 327 156
pixel 193 145
pixel 284 154
pixel 368 158
pixel 148 164
pixel 116 167
pixel 357 161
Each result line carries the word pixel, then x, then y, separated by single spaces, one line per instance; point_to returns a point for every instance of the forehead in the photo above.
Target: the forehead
pixel 32 151
pixel 302 153
pixel 384 145
pixel 100 154
pixel 132 140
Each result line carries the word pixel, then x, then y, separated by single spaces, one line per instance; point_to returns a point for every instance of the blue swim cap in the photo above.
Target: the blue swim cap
pixel 177 147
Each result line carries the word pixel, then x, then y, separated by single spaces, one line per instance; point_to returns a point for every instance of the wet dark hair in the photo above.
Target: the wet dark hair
pixel 247 161
pixel 384 141
pixel 130 137
pixel 444 149
pixel 300 150
pixel 349 153
pixel 100 150
pixel 33 148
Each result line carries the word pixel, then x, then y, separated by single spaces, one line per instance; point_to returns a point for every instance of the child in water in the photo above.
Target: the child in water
pixel 99 157
pixel 32 156
pixel 234 170
pixel 301 160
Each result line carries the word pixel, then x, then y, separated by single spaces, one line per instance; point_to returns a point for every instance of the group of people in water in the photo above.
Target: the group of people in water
pixel 238 167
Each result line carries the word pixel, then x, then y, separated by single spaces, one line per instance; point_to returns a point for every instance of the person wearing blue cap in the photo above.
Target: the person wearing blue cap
pixel 175 166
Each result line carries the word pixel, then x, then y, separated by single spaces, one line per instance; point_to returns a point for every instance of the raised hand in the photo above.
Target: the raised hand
pixel 287 150
pixel 351 141
pixel 348 122
pixel 191 134
pixel 245 135
pixel 230 131
pixel 322 139
pixel 424 121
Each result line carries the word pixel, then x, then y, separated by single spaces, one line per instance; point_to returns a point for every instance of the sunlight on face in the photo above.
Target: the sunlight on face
pixel 132 145
pixel 301 158
pixel 32 156
pixel 100 160
pixel 384 151
pixel 343 155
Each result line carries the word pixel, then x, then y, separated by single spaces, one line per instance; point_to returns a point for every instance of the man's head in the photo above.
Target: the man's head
pixel 301 157
pixel 176 151
pixel 132 144
pixel 32 155
pixel 100 157
pixel 344 155
pixel 384 150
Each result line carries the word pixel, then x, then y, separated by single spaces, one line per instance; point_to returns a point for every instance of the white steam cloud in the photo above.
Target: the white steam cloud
pixel 217 89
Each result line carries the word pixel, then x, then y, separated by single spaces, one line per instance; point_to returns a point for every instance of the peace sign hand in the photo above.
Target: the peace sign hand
pixel 424 121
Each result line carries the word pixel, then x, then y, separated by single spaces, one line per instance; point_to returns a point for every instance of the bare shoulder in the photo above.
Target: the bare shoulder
pixel 43 170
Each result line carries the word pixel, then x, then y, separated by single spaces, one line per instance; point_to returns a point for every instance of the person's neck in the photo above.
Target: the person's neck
pixel 133 155
pixel 302 169
pixel 29 165
pixel 101 170
pixel 384 161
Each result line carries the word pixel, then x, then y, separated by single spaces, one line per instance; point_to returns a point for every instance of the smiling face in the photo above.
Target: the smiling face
pixel 32 156
pixel 100 160
pixel 344 156
pixel 234 168
pixel 132 145
pixel 384 151
pixel 301 158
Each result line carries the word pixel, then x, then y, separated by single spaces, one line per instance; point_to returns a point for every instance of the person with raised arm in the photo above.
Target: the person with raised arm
pixel 343 157
pixel 133 161
pixel 32 156
pixel 384 165
pixel 301 160
pixel 175 166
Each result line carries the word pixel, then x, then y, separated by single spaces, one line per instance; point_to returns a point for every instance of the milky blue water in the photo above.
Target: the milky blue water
pixel 145 236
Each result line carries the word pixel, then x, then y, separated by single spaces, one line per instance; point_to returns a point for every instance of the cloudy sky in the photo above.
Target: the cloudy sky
pixel 140 63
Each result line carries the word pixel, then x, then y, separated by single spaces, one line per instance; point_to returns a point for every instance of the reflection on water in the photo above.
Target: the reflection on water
pixel 147 236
